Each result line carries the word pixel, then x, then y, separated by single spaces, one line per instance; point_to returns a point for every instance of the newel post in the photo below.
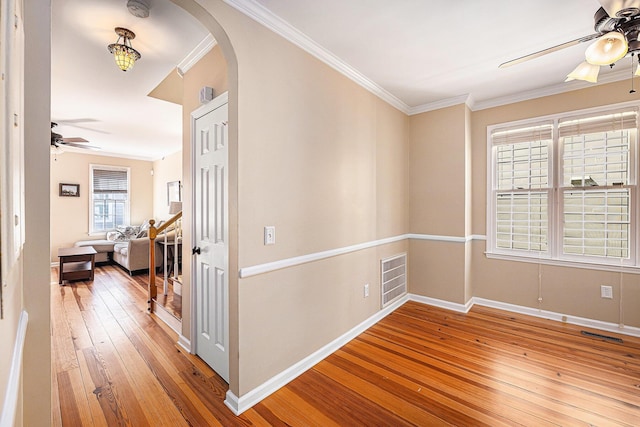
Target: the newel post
pixel 153 290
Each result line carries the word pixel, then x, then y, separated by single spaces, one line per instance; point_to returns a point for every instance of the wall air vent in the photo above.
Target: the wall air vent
pixel 394 278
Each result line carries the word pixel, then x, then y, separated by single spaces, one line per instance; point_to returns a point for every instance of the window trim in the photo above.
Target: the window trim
pixel 554 255
pixel 127 208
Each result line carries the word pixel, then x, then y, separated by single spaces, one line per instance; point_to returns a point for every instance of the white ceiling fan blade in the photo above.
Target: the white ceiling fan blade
pixel 78 123
pixel 549 50
pixel 72 144
pixel 74 140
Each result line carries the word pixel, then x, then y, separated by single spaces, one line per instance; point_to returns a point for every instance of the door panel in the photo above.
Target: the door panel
pixel 211 236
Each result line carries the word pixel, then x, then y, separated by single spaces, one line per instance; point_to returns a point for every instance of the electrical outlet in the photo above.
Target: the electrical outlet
pixel 270 235
pixel 366 290
pixel 606 292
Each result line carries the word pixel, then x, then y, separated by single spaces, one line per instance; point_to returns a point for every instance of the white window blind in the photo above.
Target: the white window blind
pixel 596 177
pixel 578 207
pixel 109 198
pixel 108 181
pixel 521 187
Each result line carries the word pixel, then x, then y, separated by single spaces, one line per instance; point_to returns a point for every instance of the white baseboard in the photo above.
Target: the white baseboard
pixel 461 308
pixel 240 404
pixel 574 320
pixel 513 308
pixel 184 342
pixel 10 404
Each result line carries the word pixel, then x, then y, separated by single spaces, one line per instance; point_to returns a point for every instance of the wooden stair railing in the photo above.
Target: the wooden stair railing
pixel 153 233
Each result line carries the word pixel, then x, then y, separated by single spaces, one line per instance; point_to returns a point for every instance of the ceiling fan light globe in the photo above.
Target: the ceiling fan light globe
pixel 586 72
pixel 607 49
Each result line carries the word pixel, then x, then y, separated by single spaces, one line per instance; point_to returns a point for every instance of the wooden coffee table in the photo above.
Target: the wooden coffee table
pixel 76 263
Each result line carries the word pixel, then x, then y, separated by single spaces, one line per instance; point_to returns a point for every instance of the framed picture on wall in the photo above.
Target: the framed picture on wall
pixel 69 190
pixel 173 192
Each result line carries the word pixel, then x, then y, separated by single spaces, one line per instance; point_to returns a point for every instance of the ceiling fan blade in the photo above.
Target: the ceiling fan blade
pixel 74 140
pixel 549 50
pixel 73 121
pixel 73 144
pixel 77 123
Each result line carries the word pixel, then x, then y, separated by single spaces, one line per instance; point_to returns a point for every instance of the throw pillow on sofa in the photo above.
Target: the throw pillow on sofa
pixel 123 233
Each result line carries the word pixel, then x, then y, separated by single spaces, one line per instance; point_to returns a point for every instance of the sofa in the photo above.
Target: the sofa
pixel 133 254
pixel 127 246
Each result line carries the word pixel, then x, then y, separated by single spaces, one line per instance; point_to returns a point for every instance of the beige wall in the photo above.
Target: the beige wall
pixel 438 174
pixel 166 169
pixel 440 203
pixel 70 215
pixel 310 143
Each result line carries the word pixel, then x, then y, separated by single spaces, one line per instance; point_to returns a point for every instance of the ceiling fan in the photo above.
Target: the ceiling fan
pixel 58 141
pixel 617 28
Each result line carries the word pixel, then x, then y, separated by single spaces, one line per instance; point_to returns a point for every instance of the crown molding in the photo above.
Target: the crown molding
pixel 265 17
pixel 466 99
pixel 550 90
pixel 107 154
pixel 196 54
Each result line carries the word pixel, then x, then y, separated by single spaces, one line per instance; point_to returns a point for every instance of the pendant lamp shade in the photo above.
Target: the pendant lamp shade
pixel 584 71
pixel 607 49
pixel 123 53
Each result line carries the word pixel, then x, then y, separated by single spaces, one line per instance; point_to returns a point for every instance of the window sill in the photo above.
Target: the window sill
pixel 590 265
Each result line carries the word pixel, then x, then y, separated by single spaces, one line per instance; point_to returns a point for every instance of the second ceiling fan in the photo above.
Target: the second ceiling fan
pixel 58 141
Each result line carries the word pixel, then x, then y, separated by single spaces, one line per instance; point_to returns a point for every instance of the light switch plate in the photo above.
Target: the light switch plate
pixel 270 235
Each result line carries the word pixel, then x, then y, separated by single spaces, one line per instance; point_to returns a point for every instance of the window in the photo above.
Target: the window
pixel 109 205
pixel 564 188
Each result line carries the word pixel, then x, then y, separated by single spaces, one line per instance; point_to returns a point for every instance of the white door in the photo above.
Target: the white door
pixel 211 234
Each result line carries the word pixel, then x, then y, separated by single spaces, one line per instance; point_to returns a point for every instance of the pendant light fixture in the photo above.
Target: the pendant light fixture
pixel 124 54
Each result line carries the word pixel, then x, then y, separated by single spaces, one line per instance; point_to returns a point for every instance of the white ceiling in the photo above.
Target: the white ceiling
pixel 92 98
pixel 417 54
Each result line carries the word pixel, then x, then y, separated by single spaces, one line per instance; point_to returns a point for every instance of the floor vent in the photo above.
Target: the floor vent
pixel 602 337
pixel 394 278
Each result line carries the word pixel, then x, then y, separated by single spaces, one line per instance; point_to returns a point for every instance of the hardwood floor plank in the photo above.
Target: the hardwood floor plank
pixel 73 316
pixel 286 407
pixel 74 408
pixel 211 396
pixel 346 406
pixel 97 415
pixel 56 416
pixel 104 395
pixel 63 349
pixel 69 411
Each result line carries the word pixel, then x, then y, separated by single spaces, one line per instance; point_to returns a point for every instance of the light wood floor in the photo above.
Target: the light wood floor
pixel 115 365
